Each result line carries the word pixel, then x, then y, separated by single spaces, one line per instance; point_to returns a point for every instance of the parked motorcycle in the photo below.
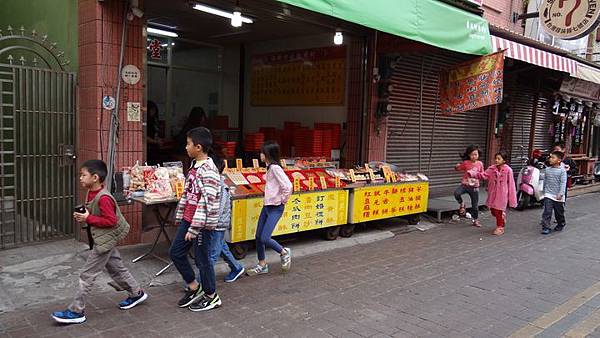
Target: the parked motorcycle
pixel 530 183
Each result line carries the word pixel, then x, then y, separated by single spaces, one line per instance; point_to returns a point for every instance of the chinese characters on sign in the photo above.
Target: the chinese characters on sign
pixel 307 211
pixel 300 77
pixel 390 200
pixel 473 84
pixel 569 19
pixel 155 48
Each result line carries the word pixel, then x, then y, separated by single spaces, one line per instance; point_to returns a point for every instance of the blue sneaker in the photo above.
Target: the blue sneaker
pixel 234 275
pixel 546 231
pixel 68 317
pixel 133 301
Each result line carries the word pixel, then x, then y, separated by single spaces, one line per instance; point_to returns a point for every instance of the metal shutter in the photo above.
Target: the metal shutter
pixel 452 133
pixel 543 139
pixel 521 99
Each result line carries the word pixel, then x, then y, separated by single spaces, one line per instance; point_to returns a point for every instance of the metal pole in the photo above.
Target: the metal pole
pixel 421 109
pixel 114 118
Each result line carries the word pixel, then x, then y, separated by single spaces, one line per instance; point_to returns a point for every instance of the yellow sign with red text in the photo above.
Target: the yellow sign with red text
pixel 304 211
pixel 389 200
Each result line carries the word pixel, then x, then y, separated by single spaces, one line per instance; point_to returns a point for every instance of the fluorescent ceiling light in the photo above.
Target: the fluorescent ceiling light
pixel 156 31
pixel 218 12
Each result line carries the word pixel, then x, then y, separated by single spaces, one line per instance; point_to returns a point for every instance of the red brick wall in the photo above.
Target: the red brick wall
pixel 500 12
pixel 100 27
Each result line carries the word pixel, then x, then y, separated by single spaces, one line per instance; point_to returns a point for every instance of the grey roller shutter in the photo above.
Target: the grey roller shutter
pixel 543 139
pixel 436 151
pixel 521 99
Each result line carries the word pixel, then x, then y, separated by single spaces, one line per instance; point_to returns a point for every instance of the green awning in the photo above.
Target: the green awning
pixel 428 21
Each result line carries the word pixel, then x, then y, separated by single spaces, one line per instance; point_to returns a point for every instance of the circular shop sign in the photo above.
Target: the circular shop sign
pixel 108 102
pixel 131 74
pixel 569 19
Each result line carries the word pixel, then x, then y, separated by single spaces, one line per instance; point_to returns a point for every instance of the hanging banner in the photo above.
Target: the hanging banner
pixel 472 84
pixel 307 77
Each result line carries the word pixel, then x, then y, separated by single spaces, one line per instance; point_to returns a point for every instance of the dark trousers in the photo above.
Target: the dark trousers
pixel 207 240
pixel 473 194
pixel 559 213
pixel 179 253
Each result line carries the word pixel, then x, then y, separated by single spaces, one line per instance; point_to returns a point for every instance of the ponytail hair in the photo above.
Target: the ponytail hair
pixel 202 136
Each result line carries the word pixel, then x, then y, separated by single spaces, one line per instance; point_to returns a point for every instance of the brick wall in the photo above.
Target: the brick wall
pixel 100 27
pixel 500 12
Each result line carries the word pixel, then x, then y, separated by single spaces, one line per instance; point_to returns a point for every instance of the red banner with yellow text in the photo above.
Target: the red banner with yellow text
pixel 472 84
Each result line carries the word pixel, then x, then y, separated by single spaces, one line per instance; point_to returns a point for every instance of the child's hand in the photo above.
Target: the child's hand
pixel 189 236
pixel 559 197
pixel 81 218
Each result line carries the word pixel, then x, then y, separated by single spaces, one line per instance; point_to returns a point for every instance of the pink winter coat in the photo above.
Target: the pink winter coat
pixel 501 187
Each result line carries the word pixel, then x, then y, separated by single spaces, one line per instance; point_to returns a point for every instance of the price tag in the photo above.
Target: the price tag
pixel 296 184
pixel 338 182
pixel 386 174
pixel 226 165
pixel 352 176
pixel 311 183
pixel 371 175
pixel 239 164
pixel 323 183
pixel 255 163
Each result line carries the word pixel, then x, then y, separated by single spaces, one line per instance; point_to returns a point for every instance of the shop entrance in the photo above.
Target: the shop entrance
pixel 37 138
pixel 280 77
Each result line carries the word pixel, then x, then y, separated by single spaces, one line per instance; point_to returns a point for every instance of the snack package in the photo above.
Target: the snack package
pixel 137 182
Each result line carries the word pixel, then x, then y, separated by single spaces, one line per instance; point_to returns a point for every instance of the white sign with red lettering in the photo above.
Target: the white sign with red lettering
pixel 569 19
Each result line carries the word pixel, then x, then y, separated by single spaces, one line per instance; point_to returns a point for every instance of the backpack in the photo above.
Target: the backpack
pixel 224 222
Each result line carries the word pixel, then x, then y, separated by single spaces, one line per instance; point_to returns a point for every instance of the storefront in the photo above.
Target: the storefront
pixel 304 73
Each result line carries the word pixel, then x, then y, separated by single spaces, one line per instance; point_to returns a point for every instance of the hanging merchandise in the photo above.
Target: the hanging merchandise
pixel 559 130
pixel 556 106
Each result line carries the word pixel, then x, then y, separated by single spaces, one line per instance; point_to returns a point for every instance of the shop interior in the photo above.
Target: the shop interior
pixel 250 71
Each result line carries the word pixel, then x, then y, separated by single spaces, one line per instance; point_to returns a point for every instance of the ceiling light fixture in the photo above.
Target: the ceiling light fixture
pixel 338 38
pixel 222 13
pixel 161 32
pixel 236 20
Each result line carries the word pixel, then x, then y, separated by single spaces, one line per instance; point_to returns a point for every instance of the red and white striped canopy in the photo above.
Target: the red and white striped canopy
pixel 517 51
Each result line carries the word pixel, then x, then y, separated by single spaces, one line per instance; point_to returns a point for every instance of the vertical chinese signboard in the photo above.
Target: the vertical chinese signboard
pixel 304 77
pixel 305 211
pixel 472 84
pixel 389 200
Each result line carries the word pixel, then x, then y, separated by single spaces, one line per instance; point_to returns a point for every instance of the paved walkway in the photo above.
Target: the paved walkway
pixel 454 281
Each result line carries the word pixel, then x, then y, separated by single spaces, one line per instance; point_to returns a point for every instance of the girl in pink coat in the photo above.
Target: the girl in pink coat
pixel 501 189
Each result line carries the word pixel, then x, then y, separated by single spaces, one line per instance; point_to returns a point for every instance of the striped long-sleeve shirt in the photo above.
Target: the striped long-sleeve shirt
pixel 555 183
pixel 206 185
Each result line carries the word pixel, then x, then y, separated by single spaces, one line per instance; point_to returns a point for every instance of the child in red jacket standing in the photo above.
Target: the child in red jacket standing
pixel 501 189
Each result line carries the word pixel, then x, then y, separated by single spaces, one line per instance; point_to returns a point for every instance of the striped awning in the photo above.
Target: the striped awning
pixel 517 51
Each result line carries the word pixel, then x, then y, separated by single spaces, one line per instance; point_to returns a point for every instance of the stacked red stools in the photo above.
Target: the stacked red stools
pixel 253 142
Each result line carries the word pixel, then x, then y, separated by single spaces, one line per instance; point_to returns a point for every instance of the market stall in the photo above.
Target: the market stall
pixel 325 197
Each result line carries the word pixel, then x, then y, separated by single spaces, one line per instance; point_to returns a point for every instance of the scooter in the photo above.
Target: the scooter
pixel 530 183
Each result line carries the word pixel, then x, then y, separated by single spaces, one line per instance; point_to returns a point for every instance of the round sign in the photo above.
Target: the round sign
pixel 108 102
pixel 131 74
pixel 569 19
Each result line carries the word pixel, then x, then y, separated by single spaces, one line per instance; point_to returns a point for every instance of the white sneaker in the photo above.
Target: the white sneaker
pixel 286 260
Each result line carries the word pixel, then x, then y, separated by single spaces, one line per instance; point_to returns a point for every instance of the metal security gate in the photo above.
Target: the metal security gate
pixel 420 138
pixel 37 138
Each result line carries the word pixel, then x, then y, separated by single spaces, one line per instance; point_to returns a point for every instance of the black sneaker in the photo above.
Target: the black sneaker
pixel 206 303
pixel 559 228
pixel 190 297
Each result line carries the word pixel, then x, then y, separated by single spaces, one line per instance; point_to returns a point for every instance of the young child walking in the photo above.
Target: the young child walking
pixel 501 189
pixel 278 190
pixel 108 226
pixel 198 216
pixel 555 185
pixel 469 184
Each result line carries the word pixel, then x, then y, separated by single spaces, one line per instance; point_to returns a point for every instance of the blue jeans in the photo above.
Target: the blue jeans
pixel 221 248
pixel 179 253
pixel 207 240
pixel 269 216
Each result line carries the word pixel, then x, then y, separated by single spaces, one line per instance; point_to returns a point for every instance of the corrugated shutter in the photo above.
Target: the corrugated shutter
pixel 543 139
pixel 437 152
pixel 521 100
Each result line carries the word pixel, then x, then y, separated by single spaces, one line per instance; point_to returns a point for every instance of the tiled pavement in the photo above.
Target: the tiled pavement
pixel 455 281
